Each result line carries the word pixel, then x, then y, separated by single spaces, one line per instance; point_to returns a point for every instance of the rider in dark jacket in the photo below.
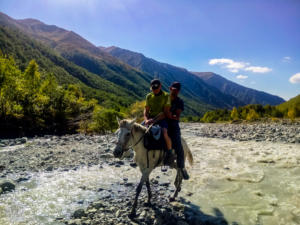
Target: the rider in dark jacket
pixel 177 106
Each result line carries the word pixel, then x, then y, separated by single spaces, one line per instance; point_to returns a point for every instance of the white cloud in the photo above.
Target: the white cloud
pixel 295 79
pixel 230 64
pixel 258 69
pixel 241 77
pixel 286 59
pixel 235 66
pixel 220 61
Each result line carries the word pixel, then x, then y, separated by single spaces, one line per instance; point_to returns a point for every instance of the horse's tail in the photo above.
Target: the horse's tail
pixel 188 151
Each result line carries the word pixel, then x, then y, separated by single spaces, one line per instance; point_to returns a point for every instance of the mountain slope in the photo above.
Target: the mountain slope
pixel 18 45
pixel 193 87
pixel 83 53
pixel 291 104
pixel 247 95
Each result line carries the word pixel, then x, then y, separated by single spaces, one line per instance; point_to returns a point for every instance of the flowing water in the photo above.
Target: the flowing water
pixel 248 182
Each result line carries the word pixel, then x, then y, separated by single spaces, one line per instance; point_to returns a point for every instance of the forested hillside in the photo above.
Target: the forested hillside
pixel 255 112
pixel 23 49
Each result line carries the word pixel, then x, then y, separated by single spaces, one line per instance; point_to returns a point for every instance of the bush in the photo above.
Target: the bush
pixel 104 120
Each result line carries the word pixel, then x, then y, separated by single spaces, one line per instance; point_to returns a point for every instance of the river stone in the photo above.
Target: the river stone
pixel 98 205
pixel 75 222
pixel 79 213
pixel 7 187
pixel 49 168
pixel 106 156
pixel 92 210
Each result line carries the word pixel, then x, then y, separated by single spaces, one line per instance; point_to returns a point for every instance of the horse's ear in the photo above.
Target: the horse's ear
pixel 118 119
pixel 132 122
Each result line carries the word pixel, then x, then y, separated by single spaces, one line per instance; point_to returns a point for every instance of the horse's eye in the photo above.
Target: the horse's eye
pixel 127 134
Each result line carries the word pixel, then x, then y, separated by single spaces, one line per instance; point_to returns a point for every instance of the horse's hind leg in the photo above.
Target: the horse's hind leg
pixel 149 191
pixel 177 184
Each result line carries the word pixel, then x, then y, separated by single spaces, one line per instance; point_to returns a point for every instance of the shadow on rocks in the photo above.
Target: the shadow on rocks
pixel 194 216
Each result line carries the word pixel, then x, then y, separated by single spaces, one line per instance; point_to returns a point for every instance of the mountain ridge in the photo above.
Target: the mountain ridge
pixel 193 87
pixel 247 95
pixel 227 87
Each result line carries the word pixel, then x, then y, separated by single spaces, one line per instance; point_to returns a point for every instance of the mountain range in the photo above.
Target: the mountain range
pixel 114 75
pixel 244 94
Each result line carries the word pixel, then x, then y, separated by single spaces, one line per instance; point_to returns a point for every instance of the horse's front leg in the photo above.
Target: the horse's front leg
pixel 138 191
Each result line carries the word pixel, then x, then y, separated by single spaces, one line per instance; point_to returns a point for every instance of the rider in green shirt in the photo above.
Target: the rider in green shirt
pixel 158 102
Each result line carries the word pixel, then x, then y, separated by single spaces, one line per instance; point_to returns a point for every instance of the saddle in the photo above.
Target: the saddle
pixel 154 140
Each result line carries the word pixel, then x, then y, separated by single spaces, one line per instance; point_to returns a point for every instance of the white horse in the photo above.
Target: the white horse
pixel 131 135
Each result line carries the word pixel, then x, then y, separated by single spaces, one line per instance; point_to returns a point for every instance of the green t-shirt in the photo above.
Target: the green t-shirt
pixel 157 103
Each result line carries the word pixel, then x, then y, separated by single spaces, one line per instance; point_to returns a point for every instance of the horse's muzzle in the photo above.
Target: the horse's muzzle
pixel 118 152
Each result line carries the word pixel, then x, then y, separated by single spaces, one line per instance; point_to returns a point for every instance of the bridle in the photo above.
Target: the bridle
pixel 155 119
pixel 131 136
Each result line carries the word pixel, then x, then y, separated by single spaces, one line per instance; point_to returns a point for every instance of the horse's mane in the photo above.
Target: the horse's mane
pixel 137 127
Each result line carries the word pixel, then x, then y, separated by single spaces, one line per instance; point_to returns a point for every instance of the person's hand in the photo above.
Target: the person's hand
pixel 148 122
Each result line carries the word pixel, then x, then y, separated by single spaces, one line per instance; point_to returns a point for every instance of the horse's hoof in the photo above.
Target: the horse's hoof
pixel 171 199
pixel 132 215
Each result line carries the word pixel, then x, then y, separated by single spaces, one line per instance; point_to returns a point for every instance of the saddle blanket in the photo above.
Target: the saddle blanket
pixel 154 140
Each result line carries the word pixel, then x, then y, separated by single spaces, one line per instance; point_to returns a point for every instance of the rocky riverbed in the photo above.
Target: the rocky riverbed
pixel 74 179
pixel 285 132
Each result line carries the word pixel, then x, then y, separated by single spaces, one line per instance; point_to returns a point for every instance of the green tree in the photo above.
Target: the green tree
pixel 252 115
pixel 104 120
pixel 234 114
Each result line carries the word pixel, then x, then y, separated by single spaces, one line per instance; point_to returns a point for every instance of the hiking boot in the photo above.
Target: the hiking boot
pixel 185 174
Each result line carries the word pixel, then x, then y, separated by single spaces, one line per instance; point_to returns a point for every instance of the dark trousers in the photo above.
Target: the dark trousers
pixel 175 135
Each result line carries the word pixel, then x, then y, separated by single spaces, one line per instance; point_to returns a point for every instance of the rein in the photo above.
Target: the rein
pixel 140 137
pixel 155 119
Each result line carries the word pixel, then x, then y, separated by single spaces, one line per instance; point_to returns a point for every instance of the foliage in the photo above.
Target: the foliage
pixel 104 120
pixel 234 114
pixel 136 110
pixel 38 103
pixel 290 109
pixel 23 49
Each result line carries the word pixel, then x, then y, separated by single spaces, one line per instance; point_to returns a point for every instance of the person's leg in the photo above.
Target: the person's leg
pixel 164 125
pixel 176 142
pixel 176 137
pixel 167 139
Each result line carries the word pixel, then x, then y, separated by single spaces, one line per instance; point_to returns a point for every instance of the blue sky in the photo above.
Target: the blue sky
pixel 255 43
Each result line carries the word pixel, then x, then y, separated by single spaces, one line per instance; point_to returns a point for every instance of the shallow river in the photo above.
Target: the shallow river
pixel 246 182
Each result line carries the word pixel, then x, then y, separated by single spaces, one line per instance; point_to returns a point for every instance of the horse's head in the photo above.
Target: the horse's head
pixel 124 136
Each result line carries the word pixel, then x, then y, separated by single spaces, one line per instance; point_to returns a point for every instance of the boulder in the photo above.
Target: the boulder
pixel 6 187
pixel 79 213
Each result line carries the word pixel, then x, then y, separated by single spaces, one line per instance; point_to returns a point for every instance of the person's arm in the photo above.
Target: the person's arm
pixel 167 112
pixel 167 107
pixel 178 111
pixel 177 116
pixel 146 115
